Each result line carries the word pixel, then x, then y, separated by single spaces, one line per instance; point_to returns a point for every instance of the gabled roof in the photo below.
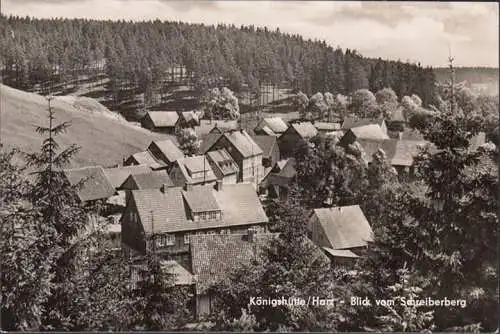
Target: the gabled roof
pixel 325 126
pixel 95 184
pixel 170 152
pixel 213 257
pixel 146 158
pixel 223 162
pixel 152 180
pixel 201 200
pixel 398 152
pixel 305 129
pixel 208 141
pixel 353 122
pixel 116 176
pixel 267 131
pixel 190 116
pixel 371 131
pixel 207 125
pixel 168 209
pixel 266 143
pixel 181 275
pixel 242 141
pixel 163 118
pixel 275 124
pixel 193 165
pixel 344 227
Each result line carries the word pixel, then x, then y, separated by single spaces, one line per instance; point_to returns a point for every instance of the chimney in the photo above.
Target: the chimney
pixel 219 185
pixel 188 187
pixel 251 234
pixel 163 188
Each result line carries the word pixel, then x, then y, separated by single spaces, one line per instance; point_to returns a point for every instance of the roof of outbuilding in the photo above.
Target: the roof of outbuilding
pixel 147 158
pixel 152 180
pixel 371 131
pixel 325 126
pixel 95 184
pixel 169 150
pixel 163 118
pixel 196 165
pixel 275 124
pixel 223 162
pixel 305 129
pixel 242 141
pixel 116 176
pixel 354 122
pixel 345 227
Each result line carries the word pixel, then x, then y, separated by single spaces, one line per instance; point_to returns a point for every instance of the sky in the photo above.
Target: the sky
pixel 422 32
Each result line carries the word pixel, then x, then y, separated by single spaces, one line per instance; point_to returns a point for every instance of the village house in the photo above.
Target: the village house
pixel 165 151
pixel 159 155
pixel 161 121
pixel 397 121
pixel 244 151
pixel 192 171
pixel 270 150
pixel 277 183
pixel 271 126
pixel 343 232
pixel 163 219
pixel 188 119
pixel 295 133
pixel 223 165
pixel 371 132
pixel 399 153
pixel 354 122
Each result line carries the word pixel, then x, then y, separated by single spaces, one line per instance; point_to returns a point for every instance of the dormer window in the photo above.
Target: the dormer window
pixel 206 216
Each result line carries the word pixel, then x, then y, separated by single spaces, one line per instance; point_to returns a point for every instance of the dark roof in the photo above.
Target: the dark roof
pixel 353 122
pixel 345 227
pixel 163 118
pixel 116 176
pixel 275 124
pixel 266 143
pixel 147 158
pixel 324 126
pixel 152 180
pixel 305 129
pixel 213 257
pixel 208 140
pixel 168 149
pixel 242 141
pixel 95 183
pixel 223 162
pixel 239 203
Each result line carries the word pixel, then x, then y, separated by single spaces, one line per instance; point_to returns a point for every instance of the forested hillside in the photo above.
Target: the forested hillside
pixel 483 79
pixel 118 61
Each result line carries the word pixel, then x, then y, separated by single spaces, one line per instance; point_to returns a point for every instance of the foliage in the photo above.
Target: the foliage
pixel 300 102
pixel 290 266
pixel 221 104
pixel 387 102
pixel 363 104
pixel 329 174
pixel 189 143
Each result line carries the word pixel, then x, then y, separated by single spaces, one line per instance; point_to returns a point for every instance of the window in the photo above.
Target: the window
pixel 186 239
pixel 170 240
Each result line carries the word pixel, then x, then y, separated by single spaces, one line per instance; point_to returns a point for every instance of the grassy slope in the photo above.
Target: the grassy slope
pixel 104 139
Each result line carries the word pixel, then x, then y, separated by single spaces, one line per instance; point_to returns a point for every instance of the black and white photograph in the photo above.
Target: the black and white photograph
pixel 249 166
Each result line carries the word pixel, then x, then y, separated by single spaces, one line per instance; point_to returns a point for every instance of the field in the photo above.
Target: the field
pixel 105 137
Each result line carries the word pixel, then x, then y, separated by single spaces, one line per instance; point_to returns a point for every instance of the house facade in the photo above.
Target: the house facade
pixel 245 152
pixel 270 150
pixel 162 220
